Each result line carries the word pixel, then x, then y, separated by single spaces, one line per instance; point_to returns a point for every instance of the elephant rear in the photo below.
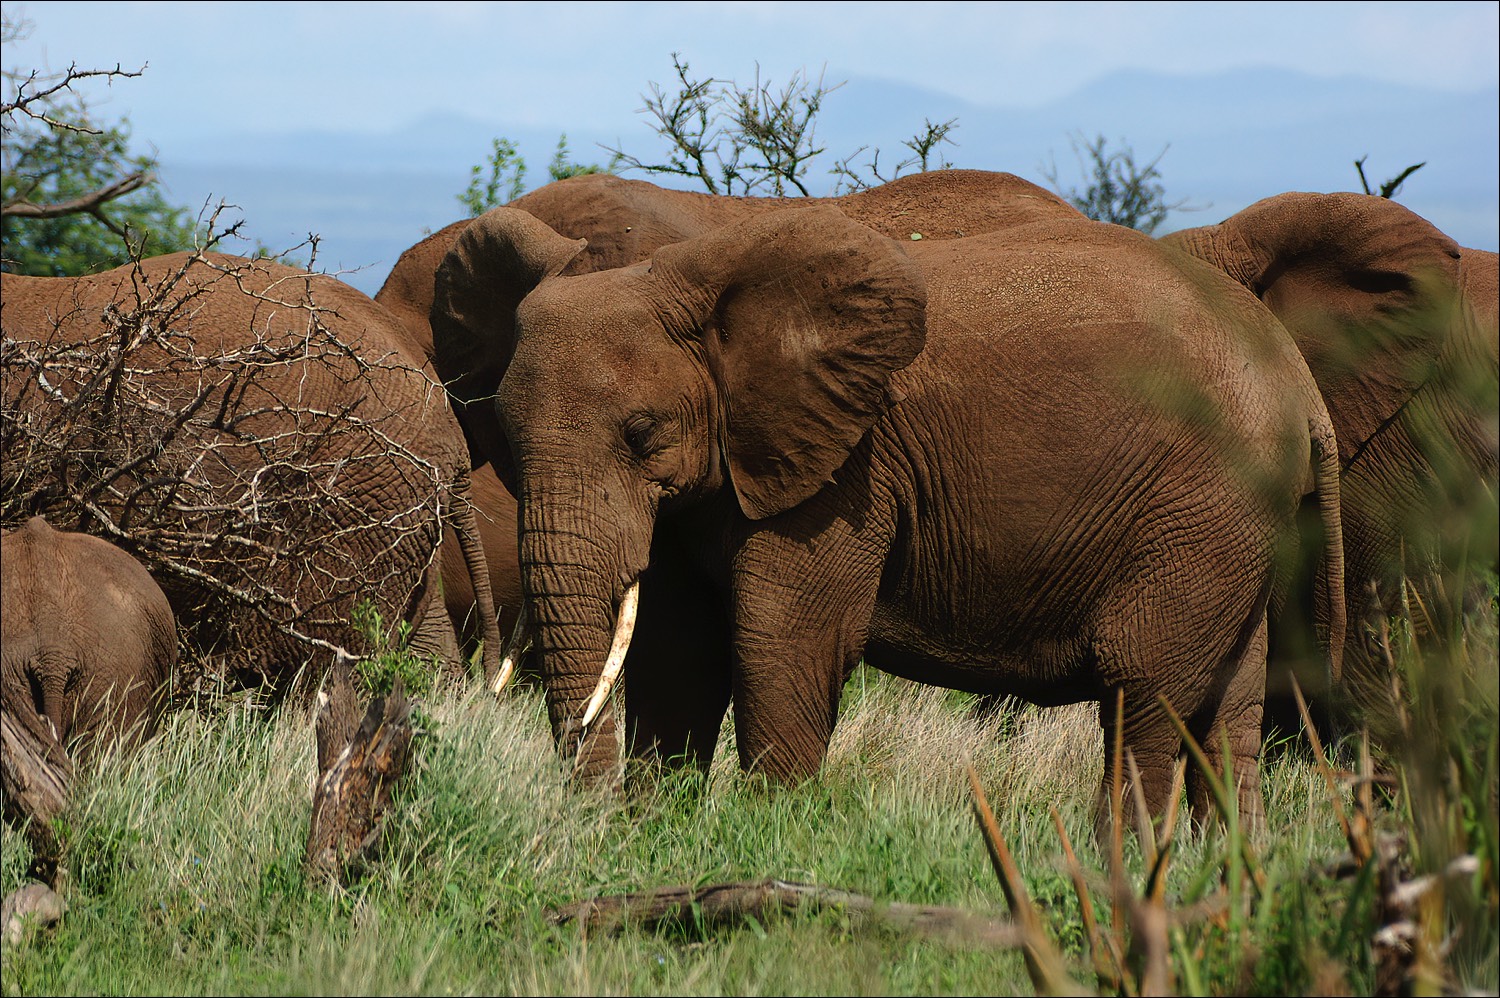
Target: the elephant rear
pixel 89 640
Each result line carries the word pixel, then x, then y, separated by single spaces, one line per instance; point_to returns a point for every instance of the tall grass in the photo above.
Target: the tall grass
pixel 184 864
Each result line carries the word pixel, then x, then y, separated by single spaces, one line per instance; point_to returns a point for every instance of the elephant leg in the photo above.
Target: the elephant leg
pixel 432 634
pixel 1148 742
pixel 677 674
pixel 1235 723
pixel 465 524
pixel 1196 644
pixel 802 603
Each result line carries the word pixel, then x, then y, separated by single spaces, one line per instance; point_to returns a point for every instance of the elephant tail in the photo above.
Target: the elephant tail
pixel 466 527
pixel 1325 452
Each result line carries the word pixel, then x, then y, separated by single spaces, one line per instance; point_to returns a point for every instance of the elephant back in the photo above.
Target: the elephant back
pixel 954 204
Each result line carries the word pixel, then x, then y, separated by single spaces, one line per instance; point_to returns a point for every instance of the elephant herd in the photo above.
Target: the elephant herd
pixel 948 426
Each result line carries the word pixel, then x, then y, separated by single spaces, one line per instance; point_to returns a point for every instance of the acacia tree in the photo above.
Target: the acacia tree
pixel 73 198
pixel 758 139
pixel 1118 190
pixel 507 174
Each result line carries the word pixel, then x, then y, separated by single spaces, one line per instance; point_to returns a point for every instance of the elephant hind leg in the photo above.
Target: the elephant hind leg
pixel 1199 647
pixel 1234 722
pixel 432 634
pixel 1144 750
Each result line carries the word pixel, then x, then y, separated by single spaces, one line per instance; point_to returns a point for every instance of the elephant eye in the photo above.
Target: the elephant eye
pixel 639 431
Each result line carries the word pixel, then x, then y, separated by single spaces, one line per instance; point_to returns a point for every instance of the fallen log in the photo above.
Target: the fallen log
pixel 730 903
pixel 358 769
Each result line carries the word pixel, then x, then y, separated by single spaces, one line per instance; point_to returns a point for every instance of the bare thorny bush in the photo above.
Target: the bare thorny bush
pixel 238 470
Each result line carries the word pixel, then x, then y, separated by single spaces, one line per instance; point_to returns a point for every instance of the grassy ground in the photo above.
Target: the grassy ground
pixel 184 865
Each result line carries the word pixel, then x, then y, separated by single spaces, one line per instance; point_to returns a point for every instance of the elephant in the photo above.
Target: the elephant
pixel 625 221
pixel 1057 460
pixel 88 640
pixel 260 436
pixel 1398 325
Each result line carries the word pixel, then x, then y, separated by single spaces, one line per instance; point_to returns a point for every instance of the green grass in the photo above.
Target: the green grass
pixel 184 865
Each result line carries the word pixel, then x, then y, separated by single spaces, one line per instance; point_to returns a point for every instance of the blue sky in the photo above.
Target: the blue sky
pixel 373 66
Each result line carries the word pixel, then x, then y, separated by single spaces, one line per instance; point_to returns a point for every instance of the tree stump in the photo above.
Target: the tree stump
pixel 357 771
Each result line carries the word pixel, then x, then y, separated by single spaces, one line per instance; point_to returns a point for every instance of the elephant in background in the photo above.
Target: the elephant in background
pixel 88 640
pixel 625 221
pixel 1056 461
pixel 1398 325
pixel 260 436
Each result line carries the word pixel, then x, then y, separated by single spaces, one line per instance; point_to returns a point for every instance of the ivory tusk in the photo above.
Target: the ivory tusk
pixel 615 664
pixel 518 645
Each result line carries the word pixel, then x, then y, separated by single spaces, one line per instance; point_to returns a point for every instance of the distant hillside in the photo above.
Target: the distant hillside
pixel 1231 139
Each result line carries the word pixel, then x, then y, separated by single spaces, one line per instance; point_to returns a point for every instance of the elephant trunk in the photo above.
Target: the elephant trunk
pixel 579 588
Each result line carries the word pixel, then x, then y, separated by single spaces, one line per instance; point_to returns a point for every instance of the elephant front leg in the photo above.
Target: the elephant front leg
pixel 802 609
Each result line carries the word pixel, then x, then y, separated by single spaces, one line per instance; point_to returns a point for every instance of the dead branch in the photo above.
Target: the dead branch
pixel 37 103
pixel 32 89
pixel 731 903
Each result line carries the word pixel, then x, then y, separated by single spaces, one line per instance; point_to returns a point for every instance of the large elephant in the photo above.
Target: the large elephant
pixel 1057 461
pixel 625 221
pixel 87 638
pixel 261 437
pixel 1398 325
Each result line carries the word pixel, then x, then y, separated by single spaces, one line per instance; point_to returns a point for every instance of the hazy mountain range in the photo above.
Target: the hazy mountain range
pixel 1229 140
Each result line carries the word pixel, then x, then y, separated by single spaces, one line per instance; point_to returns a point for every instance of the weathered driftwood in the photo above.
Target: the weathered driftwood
pixel 722 904
pixel 35 774
pixel 357 771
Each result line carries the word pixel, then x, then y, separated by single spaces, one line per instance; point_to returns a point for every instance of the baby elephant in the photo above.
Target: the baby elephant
pixel 87 639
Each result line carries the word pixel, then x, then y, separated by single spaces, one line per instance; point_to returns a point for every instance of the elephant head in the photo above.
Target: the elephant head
pixel 1404 354
pixel 741 367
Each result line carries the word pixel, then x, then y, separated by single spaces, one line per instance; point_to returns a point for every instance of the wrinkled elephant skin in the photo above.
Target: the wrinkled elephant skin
pixel 1058 461
pixel 624 221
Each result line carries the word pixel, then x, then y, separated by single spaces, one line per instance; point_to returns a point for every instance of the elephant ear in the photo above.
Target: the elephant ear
pixel 1365 287
pixel 497 261
pixel 804 314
